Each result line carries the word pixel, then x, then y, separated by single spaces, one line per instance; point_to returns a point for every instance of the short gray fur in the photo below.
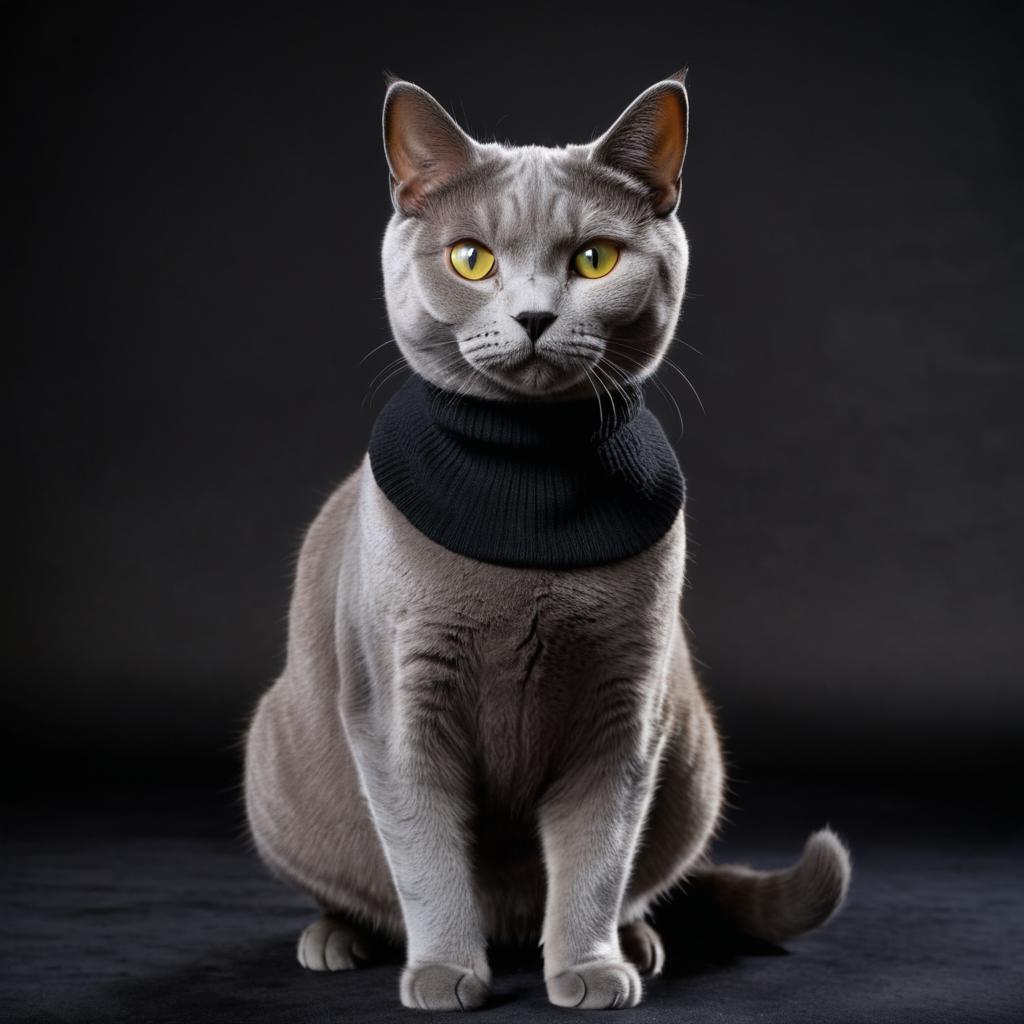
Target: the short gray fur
pixel 458 752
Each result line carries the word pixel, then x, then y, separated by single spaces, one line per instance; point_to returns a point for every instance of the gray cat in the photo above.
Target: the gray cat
pixel 458 751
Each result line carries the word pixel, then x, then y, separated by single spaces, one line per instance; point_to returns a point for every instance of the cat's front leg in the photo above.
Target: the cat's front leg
pixel 590 823
pixel 413 761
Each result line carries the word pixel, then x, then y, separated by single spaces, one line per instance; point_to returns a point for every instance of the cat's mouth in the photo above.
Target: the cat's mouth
pixel 535 373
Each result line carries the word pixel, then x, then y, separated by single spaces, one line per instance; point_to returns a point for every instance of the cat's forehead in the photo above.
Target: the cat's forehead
pixel 524 196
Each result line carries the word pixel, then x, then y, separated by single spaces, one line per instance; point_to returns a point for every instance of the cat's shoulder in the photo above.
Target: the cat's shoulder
pixel 333 520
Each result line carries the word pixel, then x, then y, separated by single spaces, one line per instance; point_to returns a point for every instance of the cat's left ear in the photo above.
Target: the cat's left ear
pixel 648 141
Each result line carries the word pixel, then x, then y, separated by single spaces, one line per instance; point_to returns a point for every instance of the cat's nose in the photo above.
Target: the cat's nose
pixel 535 323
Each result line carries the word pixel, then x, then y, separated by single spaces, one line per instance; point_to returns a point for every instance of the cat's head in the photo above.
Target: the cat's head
pixel 534 271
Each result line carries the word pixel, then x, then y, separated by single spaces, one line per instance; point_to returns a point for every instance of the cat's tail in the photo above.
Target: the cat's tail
pixel 779 905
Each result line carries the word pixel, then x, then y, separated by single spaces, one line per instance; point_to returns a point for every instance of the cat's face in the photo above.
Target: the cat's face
pixel 531 271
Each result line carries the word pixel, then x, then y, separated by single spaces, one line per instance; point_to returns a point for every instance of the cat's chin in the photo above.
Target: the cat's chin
pixel 540 379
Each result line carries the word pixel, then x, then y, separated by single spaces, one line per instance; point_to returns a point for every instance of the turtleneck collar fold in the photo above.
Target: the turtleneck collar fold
pixel 533 484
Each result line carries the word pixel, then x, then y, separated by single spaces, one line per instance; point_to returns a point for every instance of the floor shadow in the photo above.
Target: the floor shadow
pixel 699 938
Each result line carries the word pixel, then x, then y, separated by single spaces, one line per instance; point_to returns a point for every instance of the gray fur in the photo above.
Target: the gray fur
pixel 458 752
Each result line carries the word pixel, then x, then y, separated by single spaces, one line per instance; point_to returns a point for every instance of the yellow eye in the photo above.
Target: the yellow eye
pixel 595 259
pixel 471 260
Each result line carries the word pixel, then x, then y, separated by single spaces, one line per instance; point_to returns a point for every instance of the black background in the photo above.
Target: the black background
pixel 199 196
pixel 192 294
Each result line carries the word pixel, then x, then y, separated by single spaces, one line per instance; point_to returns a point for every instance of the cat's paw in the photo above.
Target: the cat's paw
pixel 332 944
pixel 442 987
pixel 598 985
pixel 641 946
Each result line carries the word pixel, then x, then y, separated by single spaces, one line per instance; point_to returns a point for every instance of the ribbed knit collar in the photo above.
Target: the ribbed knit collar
pixel 521 424
pixel 534 484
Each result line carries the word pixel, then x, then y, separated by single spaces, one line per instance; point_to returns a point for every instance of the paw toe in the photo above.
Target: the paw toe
pixel 442 987
pixel 331 944
pixel 641 945
pixel 601 985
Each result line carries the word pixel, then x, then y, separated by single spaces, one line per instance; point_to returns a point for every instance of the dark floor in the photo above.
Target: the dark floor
pixel 150 907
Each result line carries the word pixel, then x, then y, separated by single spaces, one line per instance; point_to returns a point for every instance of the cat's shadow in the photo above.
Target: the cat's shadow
pixel 698 939
pixel 250 981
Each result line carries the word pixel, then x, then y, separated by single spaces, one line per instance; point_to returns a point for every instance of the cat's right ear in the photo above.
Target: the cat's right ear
pixel 424 146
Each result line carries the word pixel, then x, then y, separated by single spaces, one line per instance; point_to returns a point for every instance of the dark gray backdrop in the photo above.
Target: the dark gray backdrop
pixel 198 199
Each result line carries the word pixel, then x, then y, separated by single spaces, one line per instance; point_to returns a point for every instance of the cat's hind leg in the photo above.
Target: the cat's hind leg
pixel 642 947
pixel 309 824
pixel 333 942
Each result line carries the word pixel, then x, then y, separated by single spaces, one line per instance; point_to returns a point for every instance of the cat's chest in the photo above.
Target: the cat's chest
pixel 545 664
pixel 517 618
pixel 523 652
pixel 535 665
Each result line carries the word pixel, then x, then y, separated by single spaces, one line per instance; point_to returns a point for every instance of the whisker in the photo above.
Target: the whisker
pixel 384 369
pixel 597 395
pixel 610 376
pixel 611 401
pixel 462 389
pixel 376 348
pixel 394 373
pixel 391 341
pixel 666 360
pixel 661 387
pixel 393 368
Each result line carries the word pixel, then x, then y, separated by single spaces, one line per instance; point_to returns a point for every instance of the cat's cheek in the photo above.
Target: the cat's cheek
pixel 448 298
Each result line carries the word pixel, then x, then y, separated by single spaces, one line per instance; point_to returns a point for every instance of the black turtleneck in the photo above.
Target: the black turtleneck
pixel 542 484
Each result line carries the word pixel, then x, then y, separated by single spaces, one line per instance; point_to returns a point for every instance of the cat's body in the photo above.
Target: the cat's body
pixel 459 752
pixel 533 661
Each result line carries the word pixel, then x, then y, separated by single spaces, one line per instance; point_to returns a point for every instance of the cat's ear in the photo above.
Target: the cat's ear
pixel 648 141
pixel 424 146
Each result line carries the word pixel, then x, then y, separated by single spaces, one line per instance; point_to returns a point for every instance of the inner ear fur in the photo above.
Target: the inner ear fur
pixel 424 146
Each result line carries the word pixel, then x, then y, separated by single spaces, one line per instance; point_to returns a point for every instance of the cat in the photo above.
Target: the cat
pixel 462 749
